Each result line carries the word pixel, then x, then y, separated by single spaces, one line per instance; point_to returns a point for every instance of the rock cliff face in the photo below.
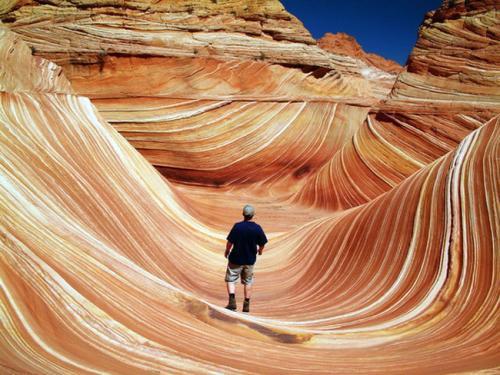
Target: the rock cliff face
pixel 455 61
pixel 343 44
pixel 381 210
pixel 95 34
pixel 85 31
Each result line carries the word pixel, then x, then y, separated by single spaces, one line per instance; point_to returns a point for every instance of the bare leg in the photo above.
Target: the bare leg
pixel 231 288
pixel 248 291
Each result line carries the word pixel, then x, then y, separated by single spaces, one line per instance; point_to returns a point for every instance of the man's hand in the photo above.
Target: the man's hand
pixel 261 248
pixel 229 245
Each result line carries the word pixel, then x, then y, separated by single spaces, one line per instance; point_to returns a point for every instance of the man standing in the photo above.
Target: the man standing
pixel 243 239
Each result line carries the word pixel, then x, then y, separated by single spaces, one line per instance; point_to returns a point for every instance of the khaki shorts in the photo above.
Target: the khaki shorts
pixel 233 272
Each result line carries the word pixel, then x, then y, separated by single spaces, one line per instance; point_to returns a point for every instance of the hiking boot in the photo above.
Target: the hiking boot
pixel 246 306
pixel 232 303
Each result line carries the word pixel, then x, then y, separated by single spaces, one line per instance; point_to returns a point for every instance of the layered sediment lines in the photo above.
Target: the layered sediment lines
pixel 21 72
pixel 229 30
pixel 211 143
pixel 96 275
pixel 385 150
pixel 455 61
pixel 213 79
pixel 157 76
pixel 346 319
pixel 382 217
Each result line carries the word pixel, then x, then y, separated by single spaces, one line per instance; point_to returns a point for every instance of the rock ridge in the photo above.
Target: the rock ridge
pixel 344 44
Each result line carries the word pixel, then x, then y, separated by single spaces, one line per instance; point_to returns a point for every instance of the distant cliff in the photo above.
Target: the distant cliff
pixel 344 44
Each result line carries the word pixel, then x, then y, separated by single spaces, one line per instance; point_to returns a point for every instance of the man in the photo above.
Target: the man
pixel 241 247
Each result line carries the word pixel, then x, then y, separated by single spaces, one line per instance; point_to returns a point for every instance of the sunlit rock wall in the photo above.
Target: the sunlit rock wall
pixel 382 213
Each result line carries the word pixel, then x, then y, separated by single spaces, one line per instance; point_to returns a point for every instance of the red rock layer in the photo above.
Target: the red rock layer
pixel 203 78
pixel 344 44
pixel 221 143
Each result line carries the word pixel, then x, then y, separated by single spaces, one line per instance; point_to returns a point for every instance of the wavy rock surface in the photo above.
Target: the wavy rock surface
pixel 20 72
pixel 382 219
pixel 162 71
pixel 140 70
pixel 382 153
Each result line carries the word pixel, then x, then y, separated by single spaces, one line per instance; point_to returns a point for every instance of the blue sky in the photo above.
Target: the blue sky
pixel 385 27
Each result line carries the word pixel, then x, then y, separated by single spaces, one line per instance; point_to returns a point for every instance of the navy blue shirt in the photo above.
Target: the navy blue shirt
pixel 245 236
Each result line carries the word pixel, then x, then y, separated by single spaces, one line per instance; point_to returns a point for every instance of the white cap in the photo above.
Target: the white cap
pixel 248 210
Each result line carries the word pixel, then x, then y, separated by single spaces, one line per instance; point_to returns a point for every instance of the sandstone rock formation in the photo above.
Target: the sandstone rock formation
pixel 114 36
pixel 455 61
pixel 344 44
pixel 22 72
pixel 382 212
pixel 141 77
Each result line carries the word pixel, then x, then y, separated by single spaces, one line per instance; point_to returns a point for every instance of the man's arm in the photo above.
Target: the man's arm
pixel 261 248
pixel 262 240
pixel 229 245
